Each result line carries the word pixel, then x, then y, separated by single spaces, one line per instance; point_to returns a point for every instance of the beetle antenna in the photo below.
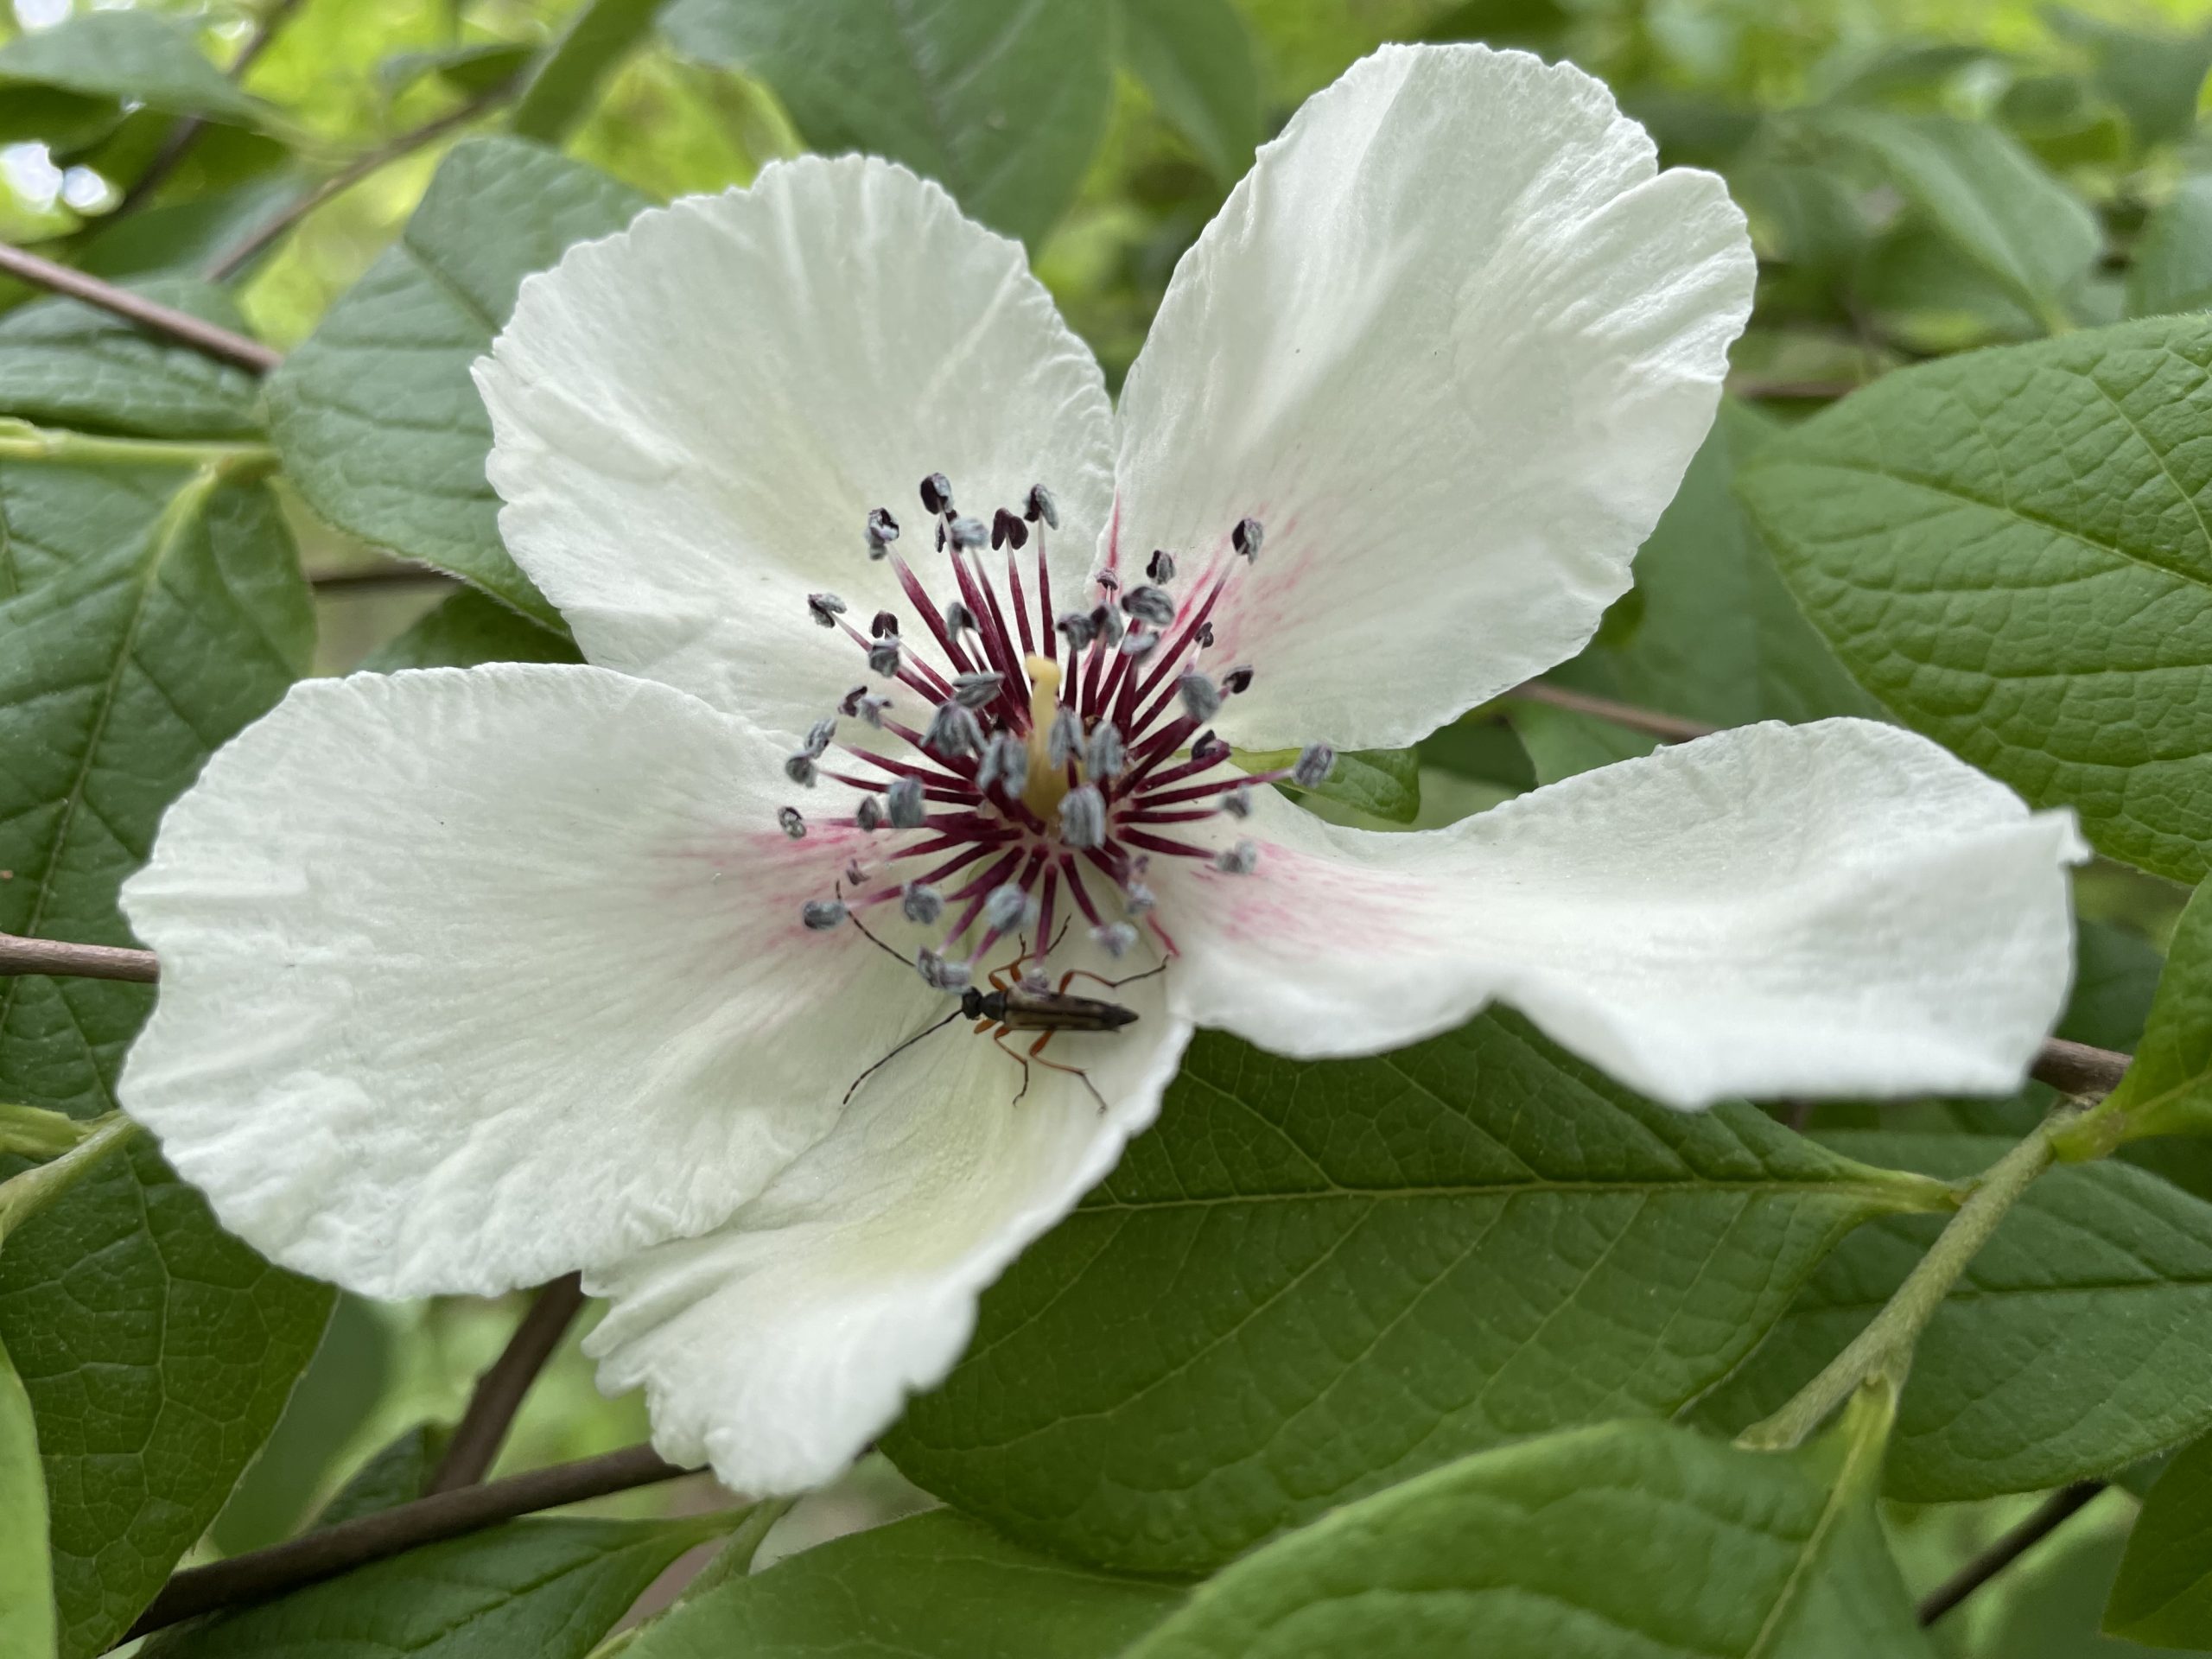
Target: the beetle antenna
pixel 881 946
pixel 925 1031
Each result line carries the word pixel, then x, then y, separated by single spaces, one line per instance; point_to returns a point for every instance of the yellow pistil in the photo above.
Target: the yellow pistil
pixel 1047 783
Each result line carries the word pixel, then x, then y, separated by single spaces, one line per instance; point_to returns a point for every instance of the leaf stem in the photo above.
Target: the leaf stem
pixel 2047 1519
pixel 21 440
pixel 57 956
pixel 24 1196
pixel 331 1550
pixel 1885 1347
pixel 204 337
pixel 1668 728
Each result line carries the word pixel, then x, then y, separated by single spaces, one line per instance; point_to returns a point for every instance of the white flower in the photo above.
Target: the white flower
pixel 472 978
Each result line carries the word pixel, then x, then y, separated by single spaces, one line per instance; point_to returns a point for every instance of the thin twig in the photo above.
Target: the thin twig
pixel 22 955
pixel 180 326
pixel 264 1573
pixel 2078 1070
pixel 187 132
pixel 383 575
pixel 499 1391
pixel 226 265
pixel 1668 728
pixel 2046 1520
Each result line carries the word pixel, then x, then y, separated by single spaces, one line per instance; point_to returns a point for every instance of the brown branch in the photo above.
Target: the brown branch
pixel 302 1560
pixel 181 326
pixel 225 264
pixel 383 575
pixel 2078 1070
pixel 1668 728
pixel 22 955
pixel 187 132
pixel 2008 1549
pixel 499 1391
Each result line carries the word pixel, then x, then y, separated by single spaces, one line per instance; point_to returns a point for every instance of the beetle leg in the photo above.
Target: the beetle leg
pixel 1072 1070
pixel 1110 984
pixel 1000 1039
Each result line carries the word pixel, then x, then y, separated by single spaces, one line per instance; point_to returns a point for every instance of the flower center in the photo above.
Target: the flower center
pixel 1059 758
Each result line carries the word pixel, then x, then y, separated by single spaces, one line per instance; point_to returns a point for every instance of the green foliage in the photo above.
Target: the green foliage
pixel 1383 782
pixel 1004 106
pixel 27 1621
pixel 1312 1279
pixel 127 58
pixel 550 1589
pixel 2010 550
pixel 2172 267
pixel 935 1586
pixel 561 88
pixel 1195 59
pixel 377 420
pixel 2163 1592
pixel 2168 1089
pixel 1622 1538
pixel 470 628
pixel 2066 1351
pixel 69 364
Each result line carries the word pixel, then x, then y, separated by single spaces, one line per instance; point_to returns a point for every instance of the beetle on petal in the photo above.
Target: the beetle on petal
pixel 472 978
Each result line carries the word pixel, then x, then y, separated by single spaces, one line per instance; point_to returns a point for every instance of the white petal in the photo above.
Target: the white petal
pixel 1830 909
pixel 472 978
pixel 776 1347
pixel 1453 341
pixel 693 418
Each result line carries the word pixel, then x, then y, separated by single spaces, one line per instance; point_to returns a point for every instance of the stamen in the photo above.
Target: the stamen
pixel 921 903
pixel 868 815
pixel 1238 680
pixel 1150 604
pixel 826 608
pixel 1315 762
pixel 1105 756
pixel 1115 938
pixel 788 819
pixel 1005 764
pixel 1083 817
pixel 1008 530
pixel 1137 644
pixel 1041 504
pixel 819 736
pixel 1246 538
pixel 937 493
pixel 903 800
pixel 953 731
pixel 1007 908
pixel 1238 802
pixel 1066 739
pixel 1075 628
pixel 882 530
pixel 820 915
pixel 967 534
pixel 1201 696
pixel 799 768
pixel 1140 897
pixel 1162 565
pixel 939 973
pixel 976 690
pixel 1239 860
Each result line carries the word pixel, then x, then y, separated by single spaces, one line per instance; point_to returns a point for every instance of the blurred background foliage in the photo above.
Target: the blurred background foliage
pixel 1922 176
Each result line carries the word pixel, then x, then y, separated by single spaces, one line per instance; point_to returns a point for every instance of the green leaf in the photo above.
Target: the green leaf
pixel 2172 269
pixel 132 57
pixel 2116 973
pixel 1563 741
pixel 1195 58
pixel 2168 1089
pixel 2153 77
pixel 1312 1279
pixel 378 423
pixel 934 1587
pixel 1630 1538
pixel 146 614
pixel 1385 783
pixel 2050 1605
pixel 2163 1592
pixel 1004 106
pixel 2070 1347
pixel 399 1473
pixel 468 629
pixel 471 69
pixel 27 1621
pixel 70 365
pixel 28 1132
pixel 560 90
pixel 1982 191
pixel 2010 550
pixel 548 1589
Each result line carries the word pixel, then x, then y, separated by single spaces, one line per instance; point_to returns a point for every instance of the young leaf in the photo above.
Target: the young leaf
pixel 2168 1089
pixel 64 364
pixel 470 628
pixel 1312 1279
pixel 1004 106
pixel 2163 1594
pixel 1625 1538
pixel 1195 58
pixel 934 1587
pixel 560 90
pixel 379 426
pixel 131 57
pixel 27 1624
pixel 2010 550
pixel 2172 267
pixel 146 614
pixel 1982 191
pixel 2068 1349
pixel 548 1589
pixel 1562 741
pixel 2153 77
pixel 1384 782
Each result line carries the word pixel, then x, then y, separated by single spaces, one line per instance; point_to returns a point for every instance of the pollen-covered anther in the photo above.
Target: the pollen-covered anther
pixel 882 530
pixel 1237 680
pixel 1136 897
pixel 953 731
pixel 1064 741
pixel 1161 566
pixel 1239 859
pixel 799 768
pixel 1041 504
pixel 868 815
pixel 1083 817
pixel 1105 755
pixel 1246 537
pixel 1008 908
pixel 820 915
pixel 902 802
pixel 825 608
pixel 920 902
pixel 789 821
pixel 937 493
pixel 1315 762
pixel 959 620
pixel 1201 696
pixel 1077 628
pixel 1238 802
pixel 1008 530
pixel 939 973
pixel 1005 765
pixel 1117 939
pixel 976 690
pixel 1139 644
pixel 1149 604
pixel 883 656
pixel 819 736
pixel 967 534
